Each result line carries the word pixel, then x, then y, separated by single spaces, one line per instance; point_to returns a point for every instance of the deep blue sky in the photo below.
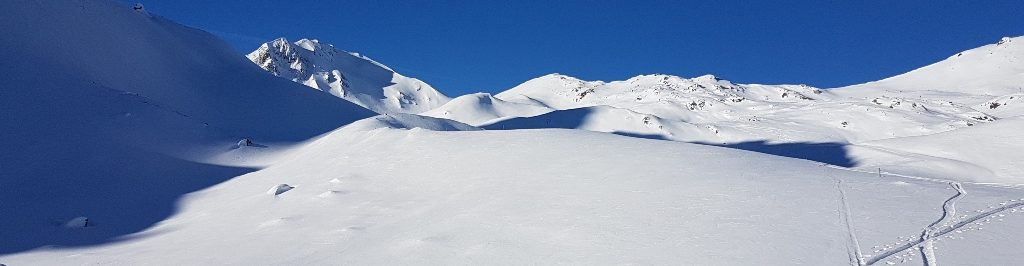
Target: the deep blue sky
pixel 471 46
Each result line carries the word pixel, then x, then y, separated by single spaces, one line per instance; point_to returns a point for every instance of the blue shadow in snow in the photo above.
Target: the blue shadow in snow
pixel 570 119
pixel 826 152
pixel 120 194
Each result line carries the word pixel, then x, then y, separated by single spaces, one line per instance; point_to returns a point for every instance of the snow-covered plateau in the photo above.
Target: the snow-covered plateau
pixel 128 139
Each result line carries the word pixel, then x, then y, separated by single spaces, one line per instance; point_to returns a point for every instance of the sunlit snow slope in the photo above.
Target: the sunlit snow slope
pixel 347 75
pixel 379 195
pixel 975 87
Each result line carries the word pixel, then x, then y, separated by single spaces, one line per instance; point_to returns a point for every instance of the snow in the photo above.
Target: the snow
pixel 349 76
pixel 985 153
pixel 278 189
pixel 993 69
pixel 587 198
pixel 77 222
pixel 114 114
pixel 129 139
pixel 842 126
pixel 708 109
pixel 484 109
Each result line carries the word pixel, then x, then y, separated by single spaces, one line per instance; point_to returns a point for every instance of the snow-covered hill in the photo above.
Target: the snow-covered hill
pixel 976 87
pixel 483 109
pixel 380 195
pixel 995 69
pixel 711 110
pixel 347 75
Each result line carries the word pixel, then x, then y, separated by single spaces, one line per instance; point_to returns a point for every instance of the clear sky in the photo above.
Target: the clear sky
pixel 471 46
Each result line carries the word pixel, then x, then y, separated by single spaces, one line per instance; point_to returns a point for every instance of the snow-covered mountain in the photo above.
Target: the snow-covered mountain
pixel 349 76
pixel 975 87
pixel 128 139
pixel 711 110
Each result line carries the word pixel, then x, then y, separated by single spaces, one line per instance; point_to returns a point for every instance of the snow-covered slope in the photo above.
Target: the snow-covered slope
pixel 994 69
pixel 112 114
pixel 131 140
pixel 347 75
pixel 711 110
pixel 978 86
pixel 377 195
pixel 989 153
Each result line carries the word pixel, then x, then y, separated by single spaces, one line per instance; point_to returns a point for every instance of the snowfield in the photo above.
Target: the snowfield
pixel 391 196
pixel 129 139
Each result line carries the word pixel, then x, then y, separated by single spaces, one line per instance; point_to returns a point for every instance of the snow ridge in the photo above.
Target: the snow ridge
pixel 346 75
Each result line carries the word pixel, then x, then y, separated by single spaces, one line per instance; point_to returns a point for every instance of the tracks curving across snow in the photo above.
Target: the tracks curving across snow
pixel 944 225
pixel 948 212
pixel 852 245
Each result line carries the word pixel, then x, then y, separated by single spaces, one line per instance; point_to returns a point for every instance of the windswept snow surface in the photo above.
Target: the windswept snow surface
pixel 349 76
pixel 379 195
pixel 113 114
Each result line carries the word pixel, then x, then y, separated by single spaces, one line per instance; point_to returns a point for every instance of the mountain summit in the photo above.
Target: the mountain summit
pixel 349 76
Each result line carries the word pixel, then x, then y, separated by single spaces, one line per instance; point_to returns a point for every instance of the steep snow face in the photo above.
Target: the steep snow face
pixel 113 114
pixel 347 75
pixel 385 196
pixel 995 69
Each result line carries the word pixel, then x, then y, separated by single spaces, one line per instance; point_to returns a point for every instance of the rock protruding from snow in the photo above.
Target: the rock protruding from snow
pixel 278 189
pixel 1004 40
pixel 77 222
pixel 244 142
pixel 346 75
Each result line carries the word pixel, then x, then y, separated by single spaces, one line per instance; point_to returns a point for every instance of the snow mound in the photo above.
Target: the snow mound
pixel 408 121
pixel 278 189
pixel 77 222
pixel 483 109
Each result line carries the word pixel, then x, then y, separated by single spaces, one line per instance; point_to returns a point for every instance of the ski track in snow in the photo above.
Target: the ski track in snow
pixel 932 232
pixel 852 245
pixel 948 212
